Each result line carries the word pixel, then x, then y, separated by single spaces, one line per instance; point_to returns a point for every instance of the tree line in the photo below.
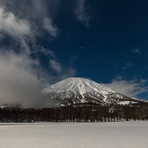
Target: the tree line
pixel 78 113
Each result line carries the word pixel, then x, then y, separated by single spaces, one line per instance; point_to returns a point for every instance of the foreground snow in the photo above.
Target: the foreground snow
pixel 75 135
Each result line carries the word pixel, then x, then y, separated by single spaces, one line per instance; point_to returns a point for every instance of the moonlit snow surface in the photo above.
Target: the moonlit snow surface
pixel 75 135
pixel 80 85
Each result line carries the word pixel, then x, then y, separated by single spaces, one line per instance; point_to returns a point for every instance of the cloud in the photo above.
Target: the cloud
pixel 67 72
pixel 129 88
pixel 28 9
pixel 136 50
pixel 52 29
pixel 81 12
pixel 38 7
pixel 19 83
pixel 62 72
pixel 27 18
pixel 19 30
pixel 128 65
pixel 55 65
pixel 42 8
pixel 1 36
pixel 24 21
pixel 22 80
pixel 14 26
pixel 22 75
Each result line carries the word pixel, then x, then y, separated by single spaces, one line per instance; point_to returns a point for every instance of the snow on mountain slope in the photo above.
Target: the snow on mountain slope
pixel 80 90
pixel 79 85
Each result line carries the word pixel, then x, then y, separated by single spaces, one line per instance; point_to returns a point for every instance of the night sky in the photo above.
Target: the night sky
pixel 103 40
pixel 112 43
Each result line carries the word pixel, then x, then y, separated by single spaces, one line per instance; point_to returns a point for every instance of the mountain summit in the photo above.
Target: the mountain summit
pixel 80 91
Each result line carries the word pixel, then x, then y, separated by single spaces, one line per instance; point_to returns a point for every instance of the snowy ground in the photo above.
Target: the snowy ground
pixel 75 135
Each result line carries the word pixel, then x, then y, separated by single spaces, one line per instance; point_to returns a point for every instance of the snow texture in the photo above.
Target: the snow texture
pixel 80 90
pixel 131 134
pixel 80 85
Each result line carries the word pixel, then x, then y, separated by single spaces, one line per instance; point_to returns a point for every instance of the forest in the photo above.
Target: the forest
pixel 77 113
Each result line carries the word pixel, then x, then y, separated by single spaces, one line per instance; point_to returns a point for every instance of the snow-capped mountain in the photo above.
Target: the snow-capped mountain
pixel 76 91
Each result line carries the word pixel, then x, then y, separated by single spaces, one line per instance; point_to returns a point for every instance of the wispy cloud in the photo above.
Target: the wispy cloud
pixel 128 65
pixel 21 76
pixel 14 26
pixel 18 29
pixel 50 27
pixel 62 72
pixel 129 88
pixel 55 65
pixel 22 15
pixel 81 12
pixel 136 50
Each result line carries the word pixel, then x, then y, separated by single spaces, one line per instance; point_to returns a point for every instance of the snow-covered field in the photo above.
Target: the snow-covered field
pixel 133 134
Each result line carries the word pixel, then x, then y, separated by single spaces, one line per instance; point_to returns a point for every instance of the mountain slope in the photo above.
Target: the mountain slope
pixel 74 91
